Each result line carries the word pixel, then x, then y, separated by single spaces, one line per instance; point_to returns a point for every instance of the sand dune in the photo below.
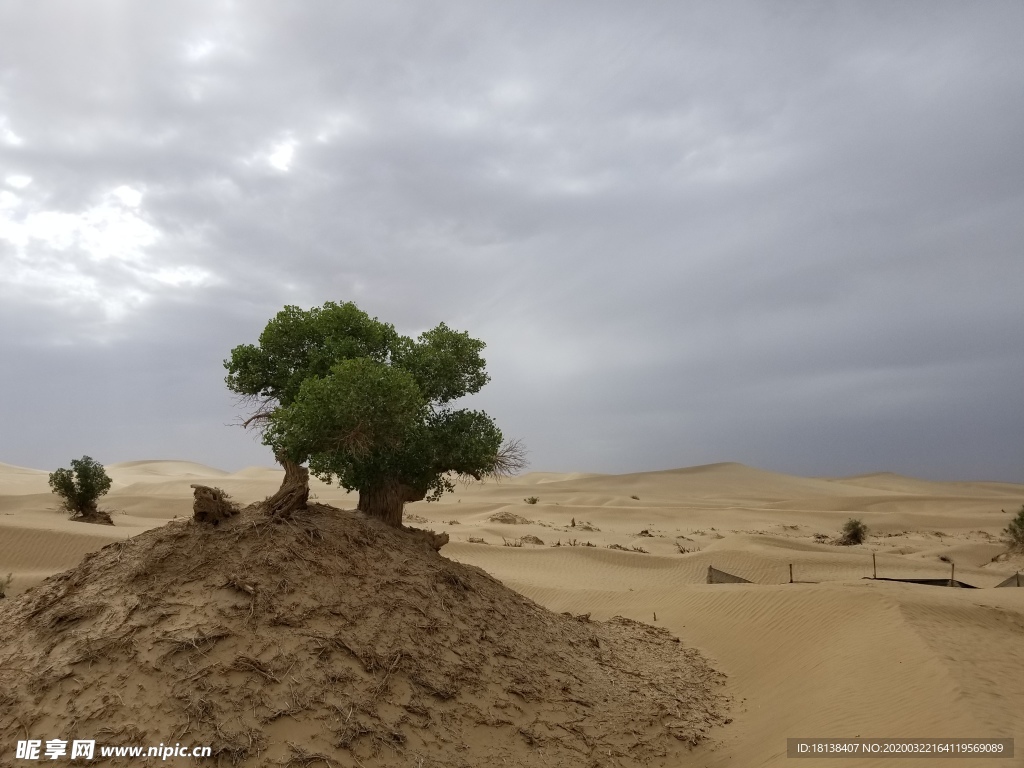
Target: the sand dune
pixel 163 468
pixel 887 481
pixel 10 469
pixel 835 654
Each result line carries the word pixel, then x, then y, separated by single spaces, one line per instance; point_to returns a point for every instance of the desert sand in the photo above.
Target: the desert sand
pixel 832 655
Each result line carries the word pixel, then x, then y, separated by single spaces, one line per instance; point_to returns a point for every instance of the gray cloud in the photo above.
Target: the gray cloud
pixel 788 235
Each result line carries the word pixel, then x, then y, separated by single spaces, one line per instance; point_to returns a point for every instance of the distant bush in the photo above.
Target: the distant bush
pixel 854 532
pixel 81 487
pixel 1014 532
pixel 635 497
pixel 531 500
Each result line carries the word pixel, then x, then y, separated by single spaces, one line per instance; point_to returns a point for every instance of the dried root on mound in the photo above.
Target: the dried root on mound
pixel 332 634
pixel 212 505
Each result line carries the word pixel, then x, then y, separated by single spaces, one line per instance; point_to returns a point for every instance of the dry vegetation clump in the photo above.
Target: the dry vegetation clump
pixel 854 532
pixel 509 518
pixel 641 550
pixel 333 638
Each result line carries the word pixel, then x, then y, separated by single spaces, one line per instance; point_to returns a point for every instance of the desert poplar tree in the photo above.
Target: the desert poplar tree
pixel 360 404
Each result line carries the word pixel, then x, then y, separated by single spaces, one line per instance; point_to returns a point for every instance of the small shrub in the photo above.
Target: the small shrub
pixel 684 551
pixel 454 522
pixel 531 499
pixel 513 543
pixel 473 540
pixel 529 539
pixel 635 497
pixel 854 532
pixel 81 487
pixel 945 558
pixel 1013 534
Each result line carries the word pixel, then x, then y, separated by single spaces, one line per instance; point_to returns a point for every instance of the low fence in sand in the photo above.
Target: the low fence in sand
pixel 716 576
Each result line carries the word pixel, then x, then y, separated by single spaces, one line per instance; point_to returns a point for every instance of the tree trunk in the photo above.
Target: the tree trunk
pixel 386 501
pixel 294 491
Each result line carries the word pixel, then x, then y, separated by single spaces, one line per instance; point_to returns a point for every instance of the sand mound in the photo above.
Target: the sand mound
pixel 333 639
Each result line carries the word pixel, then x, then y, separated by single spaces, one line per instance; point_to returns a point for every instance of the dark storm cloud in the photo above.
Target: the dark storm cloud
pixel 784 234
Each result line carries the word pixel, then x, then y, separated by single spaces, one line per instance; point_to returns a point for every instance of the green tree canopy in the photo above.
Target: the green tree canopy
pixel 81 486
pixel 369 408
pixel 1014 532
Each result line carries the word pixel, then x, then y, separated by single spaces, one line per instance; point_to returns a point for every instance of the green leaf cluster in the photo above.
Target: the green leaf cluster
pixel 364 405
pixel 1014 532
pixel 81 486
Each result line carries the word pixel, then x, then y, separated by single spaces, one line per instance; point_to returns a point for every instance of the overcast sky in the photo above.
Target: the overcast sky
pixel 789 234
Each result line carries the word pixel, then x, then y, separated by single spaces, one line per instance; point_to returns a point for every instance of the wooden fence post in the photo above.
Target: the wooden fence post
pixel 790 573
pixel 874 568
